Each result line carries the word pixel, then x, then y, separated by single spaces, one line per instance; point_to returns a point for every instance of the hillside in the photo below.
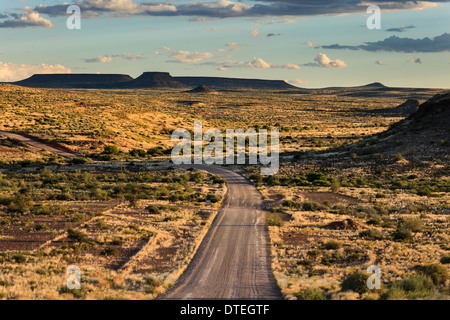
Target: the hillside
pixel 421 136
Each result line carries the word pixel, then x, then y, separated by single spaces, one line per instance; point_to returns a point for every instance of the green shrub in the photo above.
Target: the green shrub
pixel 138 153
pixel 19 258
pixel 414 225
pixel 313 206
pixel 110 251
pixel 402 235
pixel 445 259
pixel 257 177
pixel 213 197
pixel 291 204
pixel 314 176
pixel 333 245
pixel 419 286
pixel 41 227
pixel 110 149
pixel 4 283
pixel 77 235
pixel 398 157
pixel 335 185
pixel 417 283
pixel 310 294
pixel 437 272
pixel 356 282
pixel 218 179
pixel 371 234
pixel 78 160
pixel 117 241
pixel 101 225
pixel 274 221
pixel 152 209
pixel 77 293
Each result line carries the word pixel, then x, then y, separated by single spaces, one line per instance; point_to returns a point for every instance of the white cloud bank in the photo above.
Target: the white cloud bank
pixel 13 72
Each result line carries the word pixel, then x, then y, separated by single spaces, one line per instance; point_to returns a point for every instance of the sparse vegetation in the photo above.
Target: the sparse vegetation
pixel 394 200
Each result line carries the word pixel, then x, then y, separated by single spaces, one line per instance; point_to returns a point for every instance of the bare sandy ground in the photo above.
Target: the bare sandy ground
pixel 36 144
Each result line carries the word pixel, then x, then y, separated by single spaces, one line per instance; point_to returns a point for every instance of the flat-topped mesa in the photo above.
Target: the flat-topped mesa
pixel 74 80
pixel 224 83
pixel 154 80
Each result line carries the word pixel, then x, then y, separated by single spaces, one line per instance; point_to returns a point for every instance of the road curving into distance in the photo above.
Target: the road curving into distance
pixel 233 261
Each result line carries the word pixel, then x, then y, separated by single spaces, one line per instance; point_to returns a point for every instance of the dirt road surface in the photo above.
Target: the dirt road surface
pixel 233 261
pixel 36 144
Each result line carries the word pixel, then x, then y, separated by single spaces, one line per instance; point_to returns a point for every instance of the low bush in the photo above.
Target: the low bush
pixel 414 225
pixel 371 234
pixel 314 206
pixel 445 259
pixel 418 286
pixel 310 294
pixel 152 209
pixel 402 235
pixel 77 235
pixel 437 272
pixel 110 251
pixel 333 245
pixel 274 221
pixel 356 282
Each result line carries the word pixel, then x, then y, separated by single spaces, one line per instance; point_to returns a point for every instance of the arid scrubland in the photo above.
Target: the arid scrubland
pixel 132 226
pixel 326 226
pixel 84 121
pixel 131 233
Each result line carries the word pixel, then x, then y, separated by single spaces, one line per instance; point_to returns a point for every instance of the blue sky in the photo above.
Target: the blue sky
pixel 308 43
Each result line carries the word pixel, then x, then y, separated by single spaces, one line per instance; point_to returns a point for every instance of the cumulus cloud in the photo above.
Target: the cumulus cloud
pixel 129 56
pixel 14 72
pixel 255 32
pixel 396 44
pixel 182 56
pixel 311 44
pixel 256 63
pixel 297 81
pixel 100 59
pixel 28 19
pixel 323 61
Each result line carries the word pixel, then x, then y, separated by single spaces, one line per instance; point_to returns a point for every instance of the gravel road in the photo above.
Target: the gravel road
pixel 233 261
